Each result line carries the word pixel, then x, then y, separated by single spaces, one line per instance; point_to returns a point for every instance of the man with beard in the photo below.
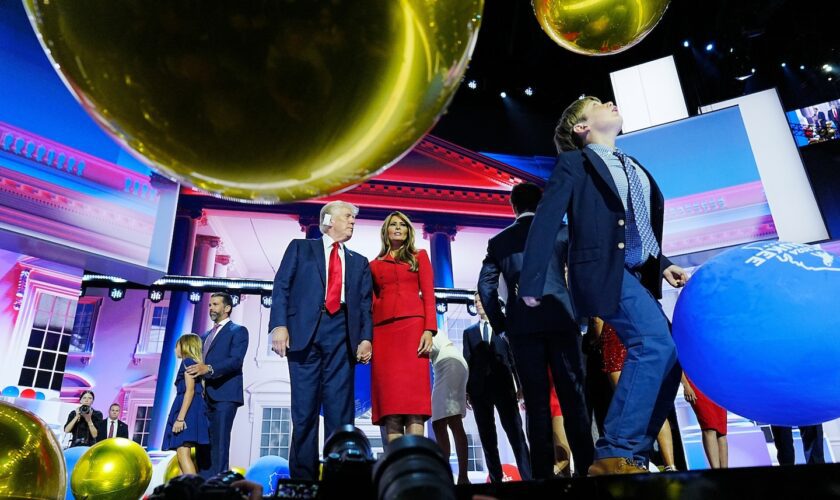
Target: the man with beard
pixel 223 354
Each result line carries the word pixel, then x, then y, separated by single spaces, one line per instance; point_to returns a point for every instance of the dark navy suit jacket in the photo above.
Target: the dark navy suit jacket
pixel 582 186
pixel 504 258
pixel 226 355
pixel 491 366
pixel 300 288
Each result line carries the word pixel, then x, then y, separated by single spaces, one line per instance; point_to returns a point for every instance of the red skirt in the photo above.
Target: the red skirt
pixel 710 416
pixel 554 403
pixel 400 381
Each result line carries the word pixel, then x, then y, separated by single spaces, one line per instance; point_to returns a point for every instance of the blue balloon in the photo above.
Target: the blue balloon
pixel 757 329
pixel 267 471
pixel 71 456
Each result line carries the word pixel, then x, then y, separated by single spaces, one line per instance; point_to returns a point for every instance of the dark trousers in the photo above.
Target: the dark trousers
pixel 216 457
pixel 505 403
pixel 812 444
pixel 560 351
pixel 649 379
pixel 321 375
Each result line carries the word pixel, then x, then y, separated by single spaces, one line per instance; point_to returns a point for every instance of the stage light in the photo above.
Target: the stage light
pixel 503 94
pixel 529 91
pixel 784 65
pixel 265 300
pixel 472 84
pixel 116 293
pixel 471 309
pixel 827 68
pixel 710 47
pixel 752 70
pixel 801 66
pixel 441 307
pixel 195 297
pixel 155 295
pixel 731 50
pixel 685 43
pixel 235 298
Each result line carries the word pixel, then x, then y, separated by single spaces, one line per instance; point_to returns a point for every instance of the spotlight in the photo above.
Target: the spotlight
pixel 731 50
pixel 195 297
pixel 472 84
pixel 265 300
pixel 441 307
pixel 752 71
pixel 116 293
pixel 784 65
pixel 155 295
pixel 471 309
pixel 503 94
pixel 801 66
pixel 235 298
pixel 685 43
pixel 827 68
pixel 710 47
pixel 529 91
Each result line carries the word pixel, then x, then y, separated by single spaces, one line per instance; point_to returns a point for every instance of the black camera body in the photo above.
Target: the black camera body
pixel 84 409
pixel 189 487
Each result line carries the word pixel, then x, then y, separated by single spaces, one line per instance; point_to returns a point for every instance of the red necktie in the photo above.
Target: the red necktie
pixel 111 432
pixel 334 282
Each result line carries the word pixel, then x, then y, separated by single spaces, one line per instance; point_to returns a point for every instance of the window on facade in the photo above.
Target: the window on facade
pixel 81 340
pixel 153 328
pixel 475 455
pixel 142 423
pixel 276 432
pixel 49 341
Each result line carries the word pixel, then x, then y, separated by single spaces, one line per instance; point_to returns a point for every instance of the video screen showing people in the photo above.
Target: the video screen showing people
pixel 815 123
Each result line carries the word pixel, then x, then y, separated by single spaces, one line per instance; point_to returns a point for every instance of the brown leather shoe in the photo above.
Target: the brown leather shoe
pixel 615 465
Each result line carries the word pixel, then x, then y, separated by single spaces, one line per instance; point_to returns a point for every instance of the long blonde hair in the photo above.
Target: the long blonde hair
pixel 407 252
pixel 190 345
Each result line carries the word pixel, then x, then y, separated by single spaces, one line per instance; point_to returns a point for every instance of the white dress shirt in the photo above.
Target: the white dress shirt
pixel 328 242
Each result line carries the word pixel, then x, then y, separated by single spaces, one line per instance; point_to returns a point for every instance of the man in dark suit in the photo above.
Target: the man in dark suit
pixel 224 352
pixel 112 427
pixel 616 266
pixel 812 444
pixel 545 337
pixel 321 319
pixel 493 382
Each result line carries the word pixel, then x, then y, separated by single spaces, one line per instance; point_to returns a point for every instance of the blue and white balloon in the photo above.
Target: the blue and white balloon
pixel 757 329
pixel 267 471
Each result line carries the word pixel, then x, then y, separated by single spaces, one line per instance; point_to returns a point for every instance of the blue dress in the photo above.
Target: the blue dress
pixel 196 419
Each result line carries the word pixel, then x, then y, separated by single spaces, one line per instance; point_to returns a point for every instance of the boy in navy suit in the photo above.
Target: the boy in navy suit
pixel 616 266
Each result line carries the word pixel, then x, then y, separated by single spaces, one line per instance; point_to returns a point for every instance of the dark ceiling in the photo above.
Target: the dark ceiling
pixel 513 53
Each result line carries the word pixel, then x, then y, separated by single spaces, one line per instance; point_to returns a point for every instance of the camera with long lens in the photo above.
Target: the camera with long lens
pixel 348 463
pixel 84 409
pixel 192 487
pixel 413 468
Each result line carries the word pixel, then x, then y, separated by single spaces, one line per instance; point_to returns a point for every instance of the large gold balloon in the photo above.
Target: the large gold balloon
pixel 262 99
pixel 598 27
pixel 31 460
pixel 173 468
pixel 115 468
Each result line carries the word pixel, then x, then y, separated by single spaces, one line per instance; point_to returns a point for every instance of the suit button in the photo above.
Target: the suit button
pixel 621 245
pixel 620 222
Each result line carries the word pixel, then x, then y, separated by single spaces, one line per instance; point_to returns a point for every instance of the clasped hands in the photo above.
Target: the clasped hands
pixel 280 343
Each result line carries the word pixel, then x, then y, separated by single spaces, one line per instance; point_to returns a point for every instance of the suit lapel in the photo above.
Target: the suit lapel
pixel 602 169
pixel 350 271
pixel 320 259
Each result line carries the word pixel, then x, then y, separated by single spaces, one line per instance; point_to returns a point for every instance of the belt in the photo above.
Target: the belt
pixel 341 308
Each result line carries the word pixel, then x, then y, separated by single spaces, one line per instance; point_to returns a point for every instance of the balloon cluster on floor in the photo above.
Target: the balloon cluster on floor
pixel 31 462
pixel 273 101
pixel 757 330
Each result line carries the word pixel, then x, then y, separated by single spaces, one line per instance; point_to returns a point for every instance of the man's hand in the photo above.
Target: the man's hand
pixel 280 340
pixel 675 276
pixel 197 370
pixel 689 394
pixel 531 301
pixel 425 344
pixel 364 352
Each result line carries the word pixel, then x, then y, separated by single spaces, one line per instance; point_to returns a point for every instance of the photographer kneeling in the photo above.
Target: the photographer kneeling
pixel 81 423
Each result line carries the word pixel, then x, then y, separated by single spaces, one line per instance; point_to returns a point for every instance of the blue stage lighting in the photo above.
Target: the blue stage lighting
pixel 710 47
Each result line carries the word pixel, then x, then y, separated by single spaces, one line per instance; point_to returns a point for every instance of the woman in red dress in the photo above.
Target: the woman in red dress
pixel 404 321
pixel 712 421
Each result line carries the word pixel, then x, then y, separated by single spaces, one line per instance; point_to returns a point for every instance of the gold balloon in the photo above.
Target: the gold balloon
pixel 598 27
pixel 173 468
pixel 239 470
pixel 262 100
pixel 31 460
pixel 112 469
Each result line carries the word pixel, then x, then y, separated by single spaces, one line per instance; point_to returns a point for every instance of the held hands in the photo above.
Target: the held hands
pixel 364 352
pixel 178 426
pixel 280 340
pixel 425 346
pixel 675 276
pixel 531 301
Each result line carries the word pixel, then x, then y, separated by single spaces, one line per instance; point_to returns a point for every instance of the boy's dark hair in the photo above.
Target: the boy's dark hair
pixel 525 197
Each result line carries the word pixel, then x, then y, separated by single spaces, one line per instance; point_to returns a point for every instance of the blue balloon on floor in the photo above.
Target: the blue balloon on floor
pixel 757 329
pixel 71 456
pixel 267 471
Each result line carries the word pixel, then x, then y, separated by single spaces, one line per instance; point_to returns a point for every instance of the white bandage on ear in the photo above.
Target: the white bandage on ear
pixel 327 220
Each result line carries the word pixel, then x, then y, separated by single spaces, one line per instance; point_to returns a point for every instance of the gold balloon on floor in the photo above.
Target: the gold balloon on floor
pixel 31 460
pixel 173 468
pixel 112 469
pixel 262 100
pixel 598 27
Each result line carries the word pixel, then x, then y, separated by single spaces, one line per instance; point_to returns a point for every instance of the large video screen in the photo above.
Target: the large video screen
pixel 707 172
pixel 815 123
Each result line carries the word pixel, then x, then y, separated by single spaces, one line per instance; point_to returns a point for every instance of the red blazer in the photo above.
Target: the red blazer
pixel 397 291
